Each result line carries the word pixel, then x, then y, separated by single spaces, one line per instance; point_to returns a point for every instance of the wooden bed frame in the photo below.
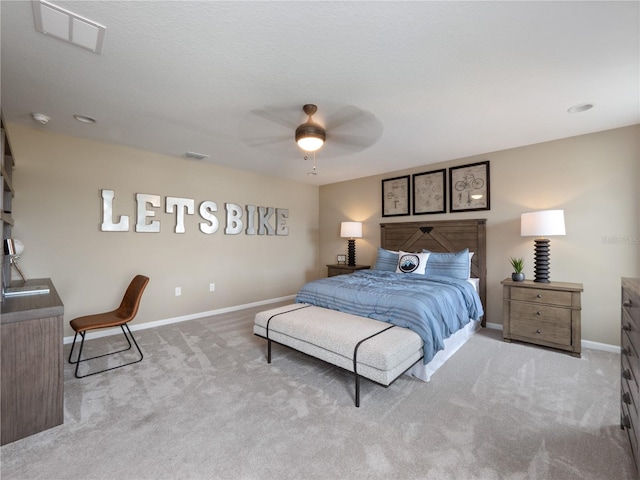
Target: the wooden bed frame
pixel 443 236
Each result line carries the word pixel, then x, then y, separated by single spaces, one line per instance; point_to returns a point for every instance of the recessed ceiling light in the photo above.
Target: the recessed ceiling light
pixel 84 119
pixel 582 107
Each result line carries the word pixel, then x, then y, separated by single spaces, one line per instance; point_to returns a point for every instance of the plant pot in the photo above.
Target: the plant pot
pixel 517 277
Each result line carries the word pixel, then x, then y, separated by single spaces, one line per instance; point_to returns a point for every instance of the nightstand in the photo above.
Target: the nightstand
pixel 334 270
pixel 546 314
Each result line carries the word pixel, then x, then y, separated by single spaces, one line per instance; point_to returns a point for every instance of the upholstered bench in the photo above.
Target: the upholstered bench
pixel 376 350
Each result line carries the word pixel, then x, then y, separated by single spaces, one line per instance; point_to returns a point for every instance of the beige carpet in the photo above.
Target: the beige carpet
pixel 204 404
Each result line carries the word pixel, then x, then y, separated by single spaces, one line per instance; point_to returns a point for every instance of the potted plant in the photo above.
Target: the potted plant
pixel 518 265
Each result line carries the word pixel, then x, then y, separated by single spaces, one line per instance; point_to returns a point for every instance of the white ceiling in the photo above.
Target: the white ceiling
pixel 408 84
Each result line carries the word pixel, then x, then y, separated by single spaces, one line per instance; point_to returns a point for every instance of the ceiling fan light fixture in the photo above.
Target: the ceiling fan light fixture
pixel 309 141
pixel 310 136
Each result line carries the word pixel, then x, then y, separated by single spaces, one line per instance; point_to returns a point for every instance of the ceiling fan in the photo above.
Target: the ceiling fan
pixel 338 130
pixel 310 136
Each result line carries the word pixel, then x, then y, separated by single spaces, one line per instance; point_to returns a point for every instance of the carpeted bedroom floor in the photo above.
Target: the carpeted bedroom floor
pixel 204 404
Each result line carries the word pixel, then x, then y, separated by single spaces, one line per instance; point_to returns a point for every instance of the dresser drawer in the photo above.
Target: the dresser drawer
pixel 629 395
pixel 628 421
pixel 539 295
pixel 629 356
pixel 631 315
pixel 545 313
pixel 539 331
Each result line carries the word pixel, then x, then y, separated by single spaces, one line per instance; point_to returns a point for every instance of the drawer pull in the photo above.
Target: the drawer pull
pixel 538 313
pixel 626 398
pixel 626 327
pixel 628 303
pixel 539 295
pixel 624 422
pixel 538 331
pixel 626 374
pixel 626 351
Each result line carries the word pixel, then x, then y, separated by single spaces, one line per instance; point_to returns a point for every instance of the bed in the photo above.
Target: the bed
pixel 449 310
pixel 380 324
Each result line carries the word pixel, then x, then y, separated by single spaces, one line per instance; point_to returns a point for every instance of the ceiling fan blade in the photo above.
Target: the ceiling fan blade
pixel 265 141
pixel 282 116
pixel 351 140
pixel 343 116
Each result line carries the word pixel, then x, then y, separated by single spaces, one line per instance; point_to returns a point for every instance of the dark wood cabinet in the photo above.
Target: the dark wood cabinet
pixel 630 365
pixel 32 363
pixel 545 314
pixel 333 270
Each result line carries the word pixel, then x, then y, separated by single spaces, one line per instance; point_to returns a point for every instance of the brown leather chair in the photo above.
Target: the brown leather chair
pixel 117 318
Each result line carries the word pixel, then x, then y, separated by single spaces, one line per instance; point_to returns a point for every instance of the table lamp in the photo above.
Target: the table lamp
pixel 542 224
pixel 351 230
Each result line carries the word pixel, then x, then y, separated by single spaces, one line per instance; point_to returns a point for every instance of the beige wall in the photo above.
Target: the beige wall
pixel 594 178
pixel 58 211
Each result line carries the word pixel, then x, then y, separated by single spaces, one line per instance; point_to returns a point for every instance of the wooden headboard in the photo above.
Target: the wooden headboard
pixel 443 236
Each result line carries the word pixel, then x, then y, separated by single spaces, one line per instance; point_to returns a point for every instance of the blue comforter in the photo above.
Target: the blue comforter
pixel 433 307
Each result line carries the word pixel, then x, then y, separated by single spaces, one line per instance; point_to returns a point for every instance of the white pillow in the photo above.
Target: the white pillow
pixel 412 262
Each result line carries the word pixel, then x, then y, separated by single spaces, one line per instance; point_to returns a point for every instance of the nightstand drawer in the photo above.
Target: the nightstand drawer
pixel 538 295
pixel 544 313
pixel 539 331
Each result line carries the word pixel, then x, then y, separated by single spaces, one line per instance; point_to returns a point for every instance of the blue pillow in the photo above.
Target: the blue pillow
pixel 387 261
pixel 455 265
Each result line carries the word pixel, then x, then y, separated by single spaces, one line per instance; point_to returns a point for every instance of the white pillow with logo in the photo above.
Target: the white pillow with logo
pixel 412 262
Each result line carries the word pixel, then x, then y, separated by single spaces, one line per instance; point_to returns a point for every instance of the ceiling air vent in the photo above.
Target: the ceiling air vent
pixel 60 23
pixel 195 156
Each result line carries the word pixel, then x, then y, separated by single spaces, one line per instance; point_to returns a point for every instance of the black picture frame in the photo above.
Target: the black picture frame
pixel 430 192
pixel 469 187
pixel 396 196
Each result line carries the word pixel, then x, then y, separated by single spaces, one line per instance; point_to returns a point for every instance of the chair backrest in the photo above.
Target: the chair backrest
pixel 129 306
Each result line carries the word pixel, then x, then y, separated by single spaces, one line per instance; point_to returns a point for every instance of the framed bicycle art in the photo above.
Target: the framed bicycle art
pixel 430 192
pixel 469 187
pixel 395 196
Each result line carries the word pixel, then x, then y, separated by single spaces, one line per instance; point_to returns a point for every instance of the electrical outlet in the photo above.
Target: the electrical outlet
pixel 178 291
pixel 212 287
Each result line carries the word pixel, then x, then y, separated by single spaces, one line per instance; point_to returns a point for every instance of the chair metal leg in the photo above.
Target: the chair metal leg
pixel 79 360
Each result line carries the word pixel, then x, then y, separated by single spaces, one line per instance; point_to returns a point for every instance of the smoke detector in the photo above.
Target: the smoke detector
pixel 40 118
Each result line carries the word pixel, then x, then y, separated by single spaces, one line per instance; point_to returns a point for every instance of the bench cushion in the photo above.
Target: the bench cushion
pixel 332 336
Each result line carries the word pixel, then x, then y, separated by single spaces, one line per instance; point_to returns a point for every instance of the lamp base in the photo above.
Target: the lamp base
pixel 351 253
pixel 541 260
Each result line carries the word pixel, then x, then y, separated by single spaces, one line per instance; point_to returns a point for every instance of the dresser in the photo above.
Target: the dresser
pixel 630 364
pixel 333 270
pixel 546 314
pixel 31 363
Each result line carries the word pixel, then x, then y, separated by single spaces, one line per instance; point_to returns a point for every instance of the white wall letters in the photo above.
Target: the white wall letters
pixel 235 221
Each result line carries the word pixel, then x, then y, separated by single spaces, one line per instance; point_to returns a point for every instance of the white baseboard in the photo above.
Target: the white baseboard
pixel 494 326
pixel 184 318
pixel 167 321
pixel 605 347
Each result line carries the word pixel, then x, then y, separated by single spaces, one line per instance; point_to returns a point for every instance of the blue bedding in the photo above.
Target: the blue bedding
pixel 433 307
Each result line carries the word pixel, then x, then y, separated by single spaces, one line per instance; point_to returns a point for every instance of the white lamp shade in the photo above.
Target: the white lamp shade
pixel 542 224
pixel 351 229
